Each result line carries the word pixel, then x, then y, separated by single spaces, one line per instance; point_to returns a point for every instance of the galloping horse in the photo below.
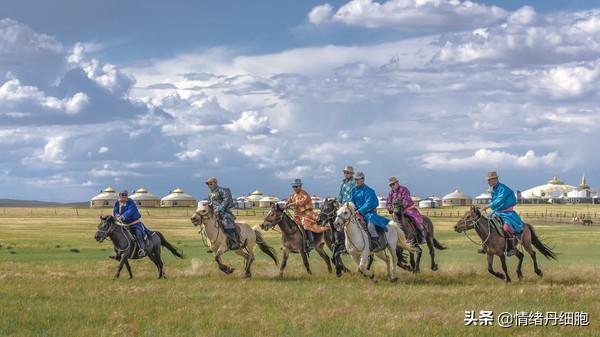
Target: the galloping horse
pixel 334 238
pixel 293 238
pixel 125 245
pixel 357 242
pixel 399 217
pixel 494 242
pixel 205 215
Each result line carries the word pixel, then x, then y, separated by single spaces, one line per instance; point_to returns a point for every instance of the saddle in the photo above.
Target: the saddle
pixel 498 225
pixel 381 237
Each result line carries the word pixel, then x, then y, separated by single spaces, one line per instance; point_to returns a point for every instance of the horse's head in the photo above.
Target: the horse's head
pixel 328 211
pixel 204 211
pixel 272 218
pixel 398 207
pixel 343 216
pixel 105 227
pixel 468 220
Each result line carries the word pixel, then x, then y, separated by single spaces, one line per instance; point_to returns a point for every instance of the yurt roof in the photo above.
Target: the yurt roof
pixel 269 199
pixel 177 194
pixel 484 195
pixel 456 195
pixel 106 194
pixel 257 192
pixel 553 189
pixel 143 194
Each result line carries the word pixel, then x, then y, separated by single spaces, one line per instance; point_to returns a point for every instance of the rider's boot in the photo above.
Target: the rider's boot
pixel 141 245
pixel 510 247
pixel 421 236
pixel 375 246
pixel 310 240
pixel 232 237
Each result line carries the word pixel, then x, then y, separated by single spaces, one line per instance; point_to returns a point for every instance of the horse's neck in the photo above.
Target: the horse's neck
pixel 483 228
pixel 211 229
pixel 287 224
pixel 119 238
pixel 353 227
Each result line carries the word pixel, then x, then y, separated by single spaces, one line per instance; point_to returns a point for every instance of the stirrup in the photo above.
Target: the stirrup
pixel 141 252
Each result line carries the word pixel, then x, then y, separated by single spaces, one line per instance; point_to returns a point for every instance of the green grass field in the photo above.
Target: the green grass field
pixel 47 289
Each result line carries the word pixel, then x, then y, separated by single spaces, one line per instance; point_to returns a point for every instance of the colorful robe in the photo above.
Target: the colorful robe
pixel 129 213
pixel 346 191
pixel 366 202
pixel 305 215
pixel 223 201
pixel 503 201
pixel 403 194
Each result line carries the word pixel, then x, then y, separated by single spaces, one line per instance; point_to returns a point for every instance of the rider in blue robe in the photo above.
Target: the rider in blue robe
pixel 366 202
pixel 127 212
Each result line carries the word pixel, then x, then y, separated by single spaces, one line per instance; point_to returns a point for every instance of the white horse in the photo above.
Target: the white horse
pixel 205 215
pixel 357 242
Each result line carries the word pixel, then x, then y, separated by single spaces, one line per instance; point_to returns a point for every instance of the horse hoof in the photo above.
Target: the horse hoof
pixel 434 268
pixel 394 280
pixel 248 275
pixel 539 273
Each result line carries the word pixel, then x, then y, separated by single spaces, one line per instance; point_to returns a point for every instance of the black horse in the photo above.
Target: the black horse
pixel 126 247
pixel 293 237
pixel 411 235
pixel 333 237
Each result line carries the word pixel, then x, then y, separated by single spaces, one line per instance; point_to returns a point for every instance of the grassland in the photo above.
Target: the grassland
pixel 55 280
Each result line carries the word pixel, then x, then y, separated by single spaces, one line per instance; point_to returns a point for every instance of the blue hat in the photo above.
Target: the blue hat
pixel 297 182
pixel 123 193
pixel 359 175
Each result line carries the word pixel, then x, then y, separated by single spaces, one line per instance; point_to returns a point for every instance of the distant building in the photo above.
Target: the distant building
pixel 143 198
pixel 243 202
pixel 106 198
pixel 553 191
pixel 437 200
pixel 267 202
pixel 483 199
pixel 427 203
pixel 457 198
pixel 382 202
pixel 316 201
pixel 178 198
pixel 255 197
pixel 580 195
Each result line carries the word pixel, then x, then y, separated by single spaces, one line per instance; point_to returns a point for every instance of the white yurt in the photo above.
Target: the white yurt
pixel 106 198
pixel 243 202
pixel 267 202
pixel 316 202
pixel 416 199
pixel 426 203
pixel 553 190
pixel 144 198
pixel 255 197
pixel 483 199
pixel 178 198
pixel 436 200
pixel 457 198
pixel 382 202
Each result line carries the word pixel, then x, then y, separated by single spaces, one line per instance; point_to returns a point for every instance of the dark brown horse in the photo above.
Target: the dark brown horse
pixel 411 235
pixel 494 243
pixel 293 237
pixel 333 238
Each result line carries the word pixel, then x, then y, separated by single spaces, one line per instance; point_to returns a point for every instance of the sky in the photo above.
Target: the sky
pixel 165 95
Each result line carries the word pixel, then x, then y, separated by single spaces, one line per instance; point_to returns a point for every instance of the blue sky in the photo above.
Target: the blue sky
pixel 258 93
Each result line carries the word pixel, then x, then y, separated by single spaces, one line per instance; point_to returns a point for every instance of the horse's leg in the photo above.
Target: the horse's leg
pixel 364 261
pixel 413 265
pixel 337 261
pixel 286 254
pixel 224 268
pixel 324 256
pixel 431 248
pixel 159 262
pixel 504 268
pixel 120 267
pixel 128 268
pixel 529 249
pixel 305 260
pixel 520 257
pixel 418 260
pixel 490 262
pixel 401 262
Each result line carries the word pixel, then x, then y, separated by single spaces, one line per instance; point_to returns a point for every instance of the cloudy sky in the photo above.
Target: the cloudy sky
pixel 257 93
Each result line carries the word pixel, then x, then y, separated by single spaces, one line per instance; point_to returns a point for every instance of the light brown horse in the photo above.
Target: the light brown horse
pixel 494 243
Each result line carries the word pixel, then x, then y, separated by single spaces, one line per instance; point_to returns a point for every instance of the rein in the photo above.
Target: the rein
pixel 475 224
pixel 352 219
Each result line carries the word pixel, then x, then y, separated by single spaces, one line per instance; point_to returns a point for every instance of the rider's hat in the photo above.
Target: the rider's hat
pixel 392 180
pixel 492 175
pixel 359 175
pixel 211 180
pixel 349 168
pixel 123 193
pixel 297 182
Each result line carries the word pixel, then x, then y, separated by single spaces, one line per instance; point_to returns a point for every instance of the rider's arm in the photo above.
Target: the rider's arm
pixel 501 195
pixel 389 202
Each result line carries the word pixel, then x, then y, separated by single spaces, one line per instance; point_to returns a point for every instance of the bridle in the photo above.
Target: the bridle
pixel 351 218
pixel 110 230
pixel 203 223
pixel 474 224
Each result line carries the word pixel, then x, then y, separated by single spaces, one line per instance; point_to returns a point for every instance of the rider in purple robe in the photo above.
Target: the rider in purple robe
pixel 399 192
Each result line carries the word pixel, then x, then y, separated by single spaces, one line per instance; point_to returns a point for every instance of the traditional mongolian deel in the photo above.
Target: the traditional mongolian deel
pixel 222 200
pixel 503 201
pixel 304 212
pixel 366 202
pixel 403 194
pixel 346 191
pixel 130 215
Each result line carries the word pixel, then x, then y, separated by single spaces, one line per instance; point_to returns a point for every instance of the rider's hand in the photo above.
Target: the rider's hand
pixel 485 207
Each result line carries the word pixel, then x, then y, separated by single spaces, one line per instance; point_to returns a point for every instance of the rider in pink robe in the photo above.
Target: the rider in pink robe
pixel 399 192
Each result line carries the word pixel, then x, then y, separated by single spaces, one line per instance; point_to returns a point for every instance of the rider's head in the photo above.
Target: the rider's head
pixel 492 178
pixel 359 179
pixel 348 172
pixel 123 196
pixel 211 182
pixel 297 185
pixel 393 183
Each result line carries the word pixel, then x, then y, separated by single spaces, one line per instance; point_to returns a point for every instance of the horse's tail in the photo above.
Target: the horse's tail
pixel 545 250
pixel 169 246
pixel 436 243
pixel 262 244
pixel 401 237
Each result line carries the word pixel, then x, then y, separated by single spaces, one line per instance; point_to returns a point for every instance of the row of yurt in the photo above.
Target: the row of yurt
pixel 144 198
pixel 457 198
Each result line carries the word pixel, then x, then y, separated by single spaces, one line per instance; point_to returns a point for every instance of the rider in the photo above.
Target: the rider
pixel 127 212
pixel 399 192
pixel 222 200
pixel 347 185
pixel 366 202
pixel 304 213
pixel 503 202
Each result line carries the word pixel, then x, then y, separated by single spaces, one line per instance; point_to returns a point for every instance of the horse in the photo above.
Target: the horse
pixel 125 245
pixel 293 238
pixel 206 216
pixel 334 238
pixel 494 243
pixel 411 234
pixel 358 246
